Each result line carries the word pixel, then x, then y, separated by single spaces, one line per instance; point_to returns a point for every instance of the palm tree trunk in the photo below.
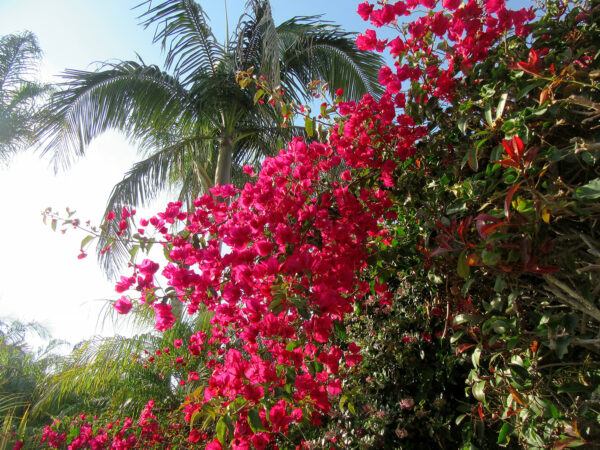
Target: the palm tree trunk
pixel 223 173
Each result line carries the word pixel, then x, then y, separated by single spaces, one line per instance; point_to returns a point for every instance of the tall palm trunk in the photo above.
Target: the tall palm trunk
pixel 223 173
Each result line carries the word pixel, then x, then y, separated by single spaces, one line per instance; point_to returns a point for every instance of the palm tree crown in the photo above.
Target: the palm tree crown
pixel 19 55
pixel 196 127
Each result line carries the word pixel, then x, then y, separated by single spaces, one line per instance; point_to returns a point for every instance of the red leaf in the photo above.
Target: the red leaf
pixel 463 348
pixel 508 199
pixel 531 154
pixel 439 251
pixel 488 218
pixel 517 144
pixel 509 163
pixel 508 149
pixel 485 230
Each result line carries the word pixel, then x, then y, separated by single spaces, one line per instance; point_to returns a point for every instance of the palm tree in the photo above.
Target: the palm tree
pixel 113 374
pixel 19 55
pixel 21 373
pixel 197 127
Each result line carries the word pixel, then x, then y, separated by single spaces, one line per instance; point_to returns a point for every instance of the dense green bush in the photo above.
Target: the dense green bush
pixel 493 333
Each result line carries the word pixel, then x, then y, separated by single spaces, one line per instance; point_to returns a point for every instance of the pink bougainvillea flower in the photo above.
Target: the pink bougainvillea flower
pixel 148 267
pixel 364 10
pixel 124 284
pixel 214 445
pixel 164 316
pixel 123 305
pixel 368 41
pixel 335 387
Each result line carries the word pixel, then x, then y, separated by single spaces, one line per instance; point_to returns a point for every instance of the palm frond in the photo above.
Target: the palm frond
pixel 94 367
pixel 139 186
pixel 107 373
pixel 257 41
pixel 136 99
pixel 19 55
pixel 185 35
pixel 315 49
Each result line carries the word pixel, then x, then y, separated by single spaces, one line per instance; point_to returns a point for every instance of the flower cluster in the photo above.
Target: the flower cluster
pixel 296 244
pixel 440 44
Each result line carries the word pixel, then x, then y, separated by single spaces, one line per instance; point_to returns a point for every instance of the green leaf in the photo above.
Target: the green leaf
pixel 309 126
pixel 573 388
pixel 505 432
pixel 460 418
pixel 455 337
pixel 550 408
pixel 292 345
pixel 475 356
pixel 590 191
pixel 343 401
pixel 472 159
pixel 258 95
pixel 488 116
pixel 351 408
pixel 245 82
pixel 462 124
pixel 85 241
pixel 562 346
pixel 500 284
pixel 523 92
pixel 501 105
pixel 277 305
pixel 479 391
pixel 221 429
pixel 228 421
pixel 462 318
pixel 490 258
pixel 133 251
pixel 434 278
pixel 254 421
pixel 463 268
pixel 520 373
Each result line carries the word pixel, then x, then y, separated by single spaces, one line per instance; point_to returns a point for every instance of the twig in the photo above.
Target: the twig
pixel 588 268
pixel 582 363
pixel 575 300
pixel 593 250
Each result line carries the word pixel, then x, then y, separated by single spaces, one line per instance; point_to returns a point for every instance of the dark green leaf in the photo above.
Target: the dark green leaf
pixel 590 191
pixel 463 268
pixel 505 432
pixel 490 258
pixel 254 421
pixel 573 388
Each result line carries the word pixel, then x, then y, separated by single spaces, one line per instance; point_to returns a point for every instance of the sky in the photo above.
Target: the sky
pixel 41 278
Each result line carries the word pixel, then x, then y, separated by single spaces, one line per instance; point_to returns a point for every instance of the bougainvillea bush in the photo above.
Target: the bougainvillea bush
pixel 426 276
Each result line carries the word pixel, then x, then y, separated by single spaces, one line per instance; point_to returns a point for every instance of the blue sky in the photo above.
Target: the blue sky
pixel 74 33
pixel 41 278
